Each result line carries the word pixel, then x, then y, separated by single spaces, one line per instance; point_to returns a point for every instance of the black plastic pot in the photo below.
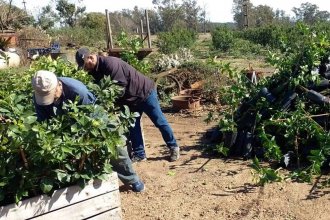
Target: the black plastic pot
pixel 288 100
pixel 264 92
pixel 229 139
pixel 237 148
pixel 326 75
pixel 247 146
pixel 322 120
pixel 317 97
pixel 323 85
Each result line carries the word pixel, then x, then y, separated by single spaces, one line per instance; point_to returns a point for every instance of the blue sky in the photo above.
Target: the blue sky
pixel 217 10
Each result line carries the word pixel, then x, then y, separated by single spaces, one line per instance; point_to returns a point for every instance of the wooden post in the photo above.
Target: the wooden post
pixel 246 14
pixel 107 28
pixel 141 30
pixel 148 29
pixel 110 45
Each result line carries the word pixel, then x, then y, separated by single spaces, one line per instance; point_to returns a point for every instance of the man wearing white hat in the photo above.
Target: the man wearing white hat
pixel 51 91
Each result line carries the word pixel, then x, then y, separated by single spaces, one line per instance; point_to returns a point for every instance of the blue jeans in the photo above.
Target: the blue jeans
pixel 123 166
pixel 151 108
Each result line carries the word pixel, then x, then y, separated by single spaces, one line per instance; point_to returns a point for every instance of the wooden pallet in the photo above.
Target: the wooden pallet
pixel 98 200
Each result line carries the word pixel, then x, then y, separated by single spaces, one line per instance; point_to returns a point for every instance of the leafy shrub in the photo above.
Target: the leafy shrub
pixel 80 36
pixel 266 35
pixel 38 158
pixel 244 47
pixel 273 35
pixel 170 42
pixel 222 38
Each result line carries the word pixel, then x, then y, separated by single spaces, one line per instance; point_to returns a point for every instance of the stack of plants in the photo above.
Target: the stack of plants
pixel 39 157
pixel 284 119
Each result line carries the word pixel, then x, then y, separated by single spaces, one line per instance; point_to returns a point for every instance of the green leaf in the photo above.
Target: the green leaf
pixel 2 110
pixel 127 111
pixel 74 128
pixel 18 197
pixel 66 149
pixel 62 176
pixel 35 128
pixel 56 142
pixel 14 128
pixel 103 133
pixel 107 168
pixel 255 164
pixel 83 120
pixel 76 176
pixel 3 183
pixel 46 185
pixel 135 114
pixel 94 132
pixel 30 119
pixel 103 177
pixel 70 167
pixel 171 173
pixel 86 176
pixel 222 150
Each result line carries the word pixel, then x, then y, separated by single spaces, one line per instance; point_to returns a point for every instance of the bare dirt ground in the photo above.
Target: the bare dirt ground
pixel 199 186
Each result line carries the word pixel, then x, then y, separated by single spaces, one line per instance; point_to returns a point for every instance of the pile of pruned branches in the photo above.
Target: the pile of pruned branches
pixel 284 119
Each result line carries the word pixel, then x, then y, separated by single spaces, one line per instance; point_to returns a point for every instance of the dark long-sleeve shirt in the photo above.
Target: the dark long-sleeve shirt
pixel 72 89
pixel 137 87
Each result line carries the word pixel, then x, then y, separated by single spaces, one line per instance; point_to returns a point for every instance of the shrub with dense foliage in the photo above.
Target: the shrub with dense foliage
pixel 223 38
pixel 80 36
pixel 170 42
pixel 72 148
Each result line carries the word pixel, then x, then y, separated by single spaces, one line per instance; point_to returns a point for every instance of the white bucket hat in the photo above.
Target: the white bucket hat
pixel 44 84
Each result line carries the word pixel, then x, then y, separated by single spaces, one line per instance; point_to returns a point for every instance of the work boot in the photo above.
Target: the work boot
pixel 174 154
pixel 136 159
pixel 138 186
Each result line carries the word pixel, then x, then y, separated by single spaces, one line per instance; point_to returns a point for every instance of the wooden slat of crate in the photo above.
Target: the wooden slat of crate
pixel 63 197
pixel 114 214
pixel 12 36
pixel 85 208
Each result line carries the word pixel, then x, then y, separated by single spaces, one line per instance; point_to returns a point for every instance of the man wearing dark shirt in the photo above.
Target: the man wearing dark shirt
pixel 50 92
pixel 139 95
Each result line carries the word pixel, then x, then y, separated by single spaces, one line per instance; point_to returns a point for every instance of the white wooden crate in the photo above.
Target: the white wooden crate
pixel 98 200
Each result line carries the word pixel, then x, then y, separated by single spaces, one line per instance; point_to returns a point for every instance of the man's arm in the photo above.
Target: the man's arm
pixel 86 98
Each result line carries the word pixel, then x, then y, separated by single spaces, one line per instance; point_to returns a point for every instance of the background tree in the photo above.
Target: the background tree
pixel 47 18
pixel 170 13
pixel 192 12
pixel 154 22
pixel 93 20
pixel 281 17
pixel 12 17
pixel 264 15
pixel 69 13
pixel 121 21
pixel 137 15
pixel 202 19
pixel 310 14
pixel 238 11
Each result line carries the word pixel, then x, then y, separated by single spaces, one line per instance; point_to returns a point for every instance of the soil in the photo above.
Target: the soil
pixel 202 186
